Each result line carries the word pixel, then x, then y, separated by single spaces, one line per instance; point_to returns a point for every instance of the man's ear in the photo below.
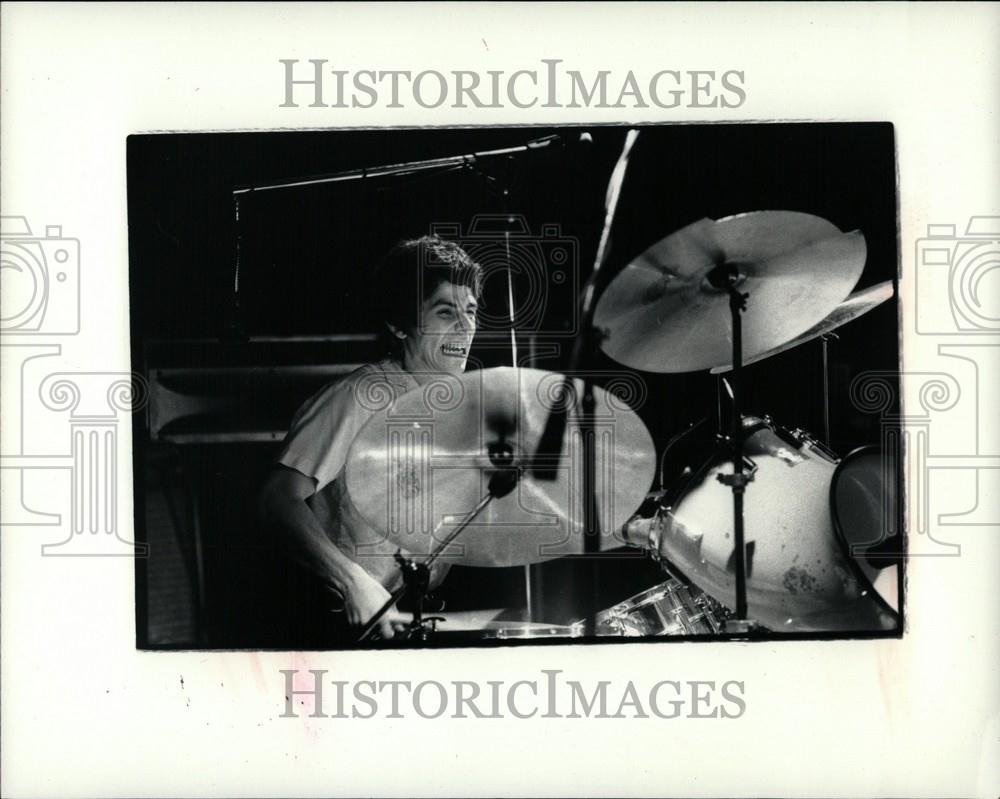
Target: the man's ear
pixel 397 332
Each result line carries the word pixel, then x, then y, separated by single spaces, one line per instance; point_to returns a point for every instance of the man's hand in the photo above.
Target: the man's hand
pixel 283 503
pixel 364 599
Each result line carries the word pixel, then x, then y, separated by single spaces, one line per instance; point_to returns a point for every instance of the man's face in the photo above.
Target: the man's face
pixel 443 334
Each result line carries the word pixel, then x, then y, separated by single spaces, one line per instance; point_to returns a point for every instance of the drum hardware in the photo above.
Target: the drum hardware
pixel 803 579
pixel 423 629
pixel 669 608
pixel 796 437
pixel 726 277
pixel 825 345
pixel 416 575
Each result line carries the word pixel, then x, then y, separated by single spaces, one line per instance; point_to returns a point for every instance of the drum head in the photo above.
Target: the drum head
pixel 799 577
pixel 865 511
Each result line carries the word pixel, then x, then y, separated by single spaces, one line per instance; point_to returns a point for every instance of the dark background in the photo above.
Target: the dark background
pixel 306 257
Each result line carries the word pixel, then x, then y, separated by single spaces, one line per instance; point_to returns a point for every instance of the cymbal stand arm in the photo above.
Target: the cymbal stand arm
pixel 416 575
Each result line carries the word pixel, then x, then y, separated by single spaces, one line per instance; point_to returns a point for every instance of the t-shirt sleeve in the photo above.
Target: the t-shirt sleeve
pixel 321 433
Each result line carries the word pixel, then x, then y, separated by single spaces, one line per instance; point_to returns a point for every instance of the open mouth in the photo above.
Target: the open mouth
pixel 454 350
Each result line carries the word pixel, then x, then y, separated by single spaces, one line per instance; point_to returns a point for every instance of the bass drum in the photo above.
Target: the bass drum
pixel 799 578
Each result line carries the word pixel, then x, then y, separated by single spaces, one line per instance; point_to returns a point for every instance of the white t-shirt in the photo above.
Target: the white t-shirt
pixel 317 445
pixel 324 428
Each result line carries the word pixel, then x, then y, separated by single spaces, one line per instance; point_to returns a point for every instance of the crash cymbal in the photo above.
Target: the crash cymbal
pixel 430 456
pixel 858 304
pixel 662 313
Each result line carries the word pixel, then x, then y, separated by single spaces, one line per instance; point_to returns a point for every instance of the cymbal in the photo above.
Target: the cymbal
pixel 419 466
pixel 858 304
pixel 662 313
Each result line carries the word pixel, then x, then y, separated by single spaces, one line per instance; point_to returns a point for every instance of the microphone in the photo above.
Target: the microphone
pixel 564 142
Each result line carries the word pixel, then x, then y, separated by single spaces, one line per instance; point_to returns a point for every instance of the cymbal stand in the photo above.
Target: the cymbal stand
pixel 825 343
pixel 416 574
pixel 739 479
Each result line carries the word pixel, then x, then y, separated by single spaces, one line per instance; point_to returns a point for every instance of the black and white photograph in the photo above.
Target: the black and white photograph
pixel 501 399
pixel 462 387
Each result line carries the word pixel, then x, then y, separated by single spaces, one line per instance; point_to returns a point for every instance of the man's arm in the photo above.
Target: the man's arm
pixel 283 504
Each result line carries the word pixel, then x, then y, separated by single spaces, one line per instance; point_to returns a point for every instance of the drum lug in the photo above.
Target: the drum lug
pixel 738 480
pixel 794 438
pixel 741 480
pixel 655 529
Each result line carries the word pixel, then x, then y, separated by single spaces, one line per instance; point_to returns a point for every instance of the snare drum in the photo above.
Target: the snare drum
pixel 670 608
pixel 798 576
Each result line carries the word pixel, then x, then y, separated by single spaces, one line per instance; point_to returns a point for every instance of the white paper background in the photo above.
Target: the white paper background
pixel 85 714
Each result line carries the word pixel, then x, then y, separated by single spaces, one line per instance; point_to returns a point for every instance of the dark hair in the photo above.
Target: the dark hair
pixel 411 272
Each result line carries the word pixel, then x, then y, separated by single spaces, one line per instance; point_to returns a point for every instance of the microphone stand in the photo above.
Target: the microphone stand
pixel 386 170
pixel 546 460
pixel 404 168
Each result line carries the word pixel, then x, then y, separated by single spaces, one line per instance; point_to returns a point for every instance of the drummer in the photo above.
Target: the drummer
pixel 429 296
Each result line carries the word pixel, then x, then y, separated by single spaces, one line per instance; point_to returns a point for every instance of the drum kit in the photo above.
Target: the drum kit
pixel 757 527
